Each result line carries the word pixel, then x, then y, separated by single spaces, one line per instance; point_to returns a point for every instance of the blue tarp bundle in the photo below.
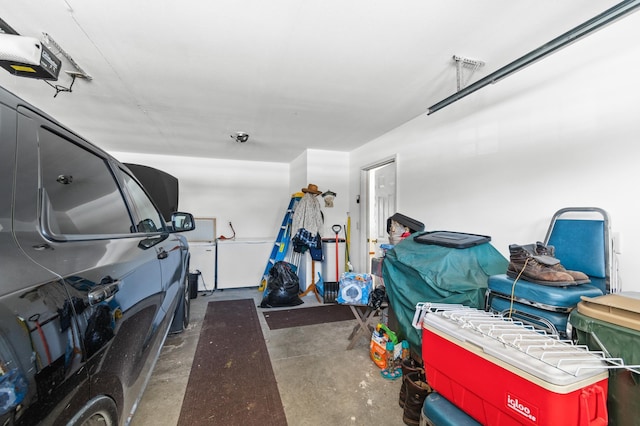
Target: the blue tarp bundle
pixel 415 272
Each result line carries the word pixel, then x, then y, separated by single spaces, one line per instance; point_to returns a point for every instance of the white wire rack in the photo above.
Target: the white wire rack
pixel 500 336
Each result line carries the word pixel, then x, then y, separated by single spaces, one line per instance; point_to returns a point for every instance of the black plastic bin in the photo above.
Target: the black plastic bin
pixel 193 284
pixel 412 224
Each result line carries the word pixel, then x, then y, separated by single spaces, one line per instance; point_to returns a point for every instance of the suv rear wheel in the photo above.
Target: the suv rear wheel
pixel 183 310
pixel 100 411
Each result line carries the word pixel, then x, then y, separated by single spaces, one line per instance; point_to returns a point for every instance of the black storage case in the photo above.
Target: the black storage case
pixel 412 224
pixel 451 239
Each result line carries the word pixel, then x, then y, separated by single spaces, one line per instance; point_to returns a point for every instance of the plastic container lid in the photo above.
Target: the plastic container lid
pixel 620 308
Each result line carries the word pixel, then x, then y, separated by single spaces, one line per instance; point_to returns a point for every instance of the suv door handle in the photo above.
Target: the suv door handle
pixel 147 243
pixel 162 254
pixel 102 292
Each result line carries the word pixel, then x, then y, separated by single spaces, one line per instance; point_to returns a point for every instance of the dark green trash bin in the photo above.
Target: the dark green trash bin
pixel 617 341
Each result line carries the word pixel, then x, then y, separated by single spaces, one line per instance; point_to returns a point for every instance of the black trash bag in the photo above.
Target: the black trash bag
pixel 283 287
pixel 378 297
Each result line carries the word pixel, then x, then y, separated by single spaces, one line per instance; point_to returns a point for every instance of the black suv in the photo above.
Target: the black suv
pixel 92 278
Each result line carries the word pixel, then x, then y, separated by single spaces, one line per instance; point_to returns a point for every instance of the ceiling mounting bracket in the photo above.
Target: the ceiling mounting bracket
pixel 60 88
pixel 470 64
pixel 78 73
pixel 52 44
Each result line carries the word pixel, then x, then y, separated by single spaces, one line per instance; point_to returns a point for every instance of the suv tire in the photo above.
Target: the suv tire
pixel 183 310
pixel 100 411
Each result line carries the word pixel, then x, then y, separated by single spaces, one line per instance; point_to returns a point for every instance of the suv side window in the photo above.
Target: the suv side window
pixel 148 216
pixel 83 195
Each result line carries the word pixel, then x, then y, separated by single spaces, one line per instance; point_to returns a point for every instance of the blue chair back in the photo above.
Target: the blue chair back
pixel 582 245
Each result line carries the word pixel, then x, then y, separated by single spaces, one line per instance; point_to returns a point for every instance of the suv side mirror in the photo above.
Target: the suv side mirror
pixel 181 222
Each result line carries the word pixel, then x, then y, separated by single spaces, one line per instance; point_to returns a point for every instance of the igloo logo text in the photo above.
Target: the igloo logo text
pixel 522 408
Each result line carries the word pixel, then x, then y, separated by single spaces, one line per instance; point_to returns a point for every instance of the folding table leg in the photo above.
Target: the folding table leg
pixel 362 328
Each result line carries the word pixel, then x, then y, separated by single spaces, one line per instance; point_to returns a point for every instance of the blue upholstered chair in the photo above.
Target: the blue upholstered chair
pixel 582 241
pixel 580 236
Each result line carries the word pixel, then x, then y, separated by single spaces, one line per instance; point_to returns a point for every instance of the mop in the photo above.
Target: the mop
pixel 348 267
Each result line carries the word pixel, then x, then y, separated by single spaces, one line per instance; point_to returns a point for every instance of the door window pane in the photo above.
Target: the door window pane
pixel 149 219
pixel 83 196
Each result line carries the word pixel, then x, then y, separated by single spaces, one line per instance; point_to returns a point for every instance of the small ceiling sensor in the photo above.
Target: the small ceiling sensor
pixel 241 137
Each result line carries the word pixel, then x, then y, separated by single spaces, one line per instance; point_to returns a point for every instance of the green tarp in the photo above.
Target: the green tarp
pixel 415 272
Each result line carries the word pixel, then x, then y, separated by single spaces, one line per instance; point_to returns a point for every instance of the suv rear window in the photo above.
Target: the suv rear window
pixel 83 196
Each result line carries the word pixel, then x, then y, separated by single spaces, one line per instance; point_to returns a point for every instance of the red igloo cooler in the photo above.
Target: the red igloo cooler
pixel 503 373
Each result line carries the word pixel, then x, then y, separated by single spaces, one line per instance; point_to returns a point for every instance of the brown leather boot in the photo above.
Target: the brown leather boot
pixel 578 277
pixel 409 366
pixel 537 269
pixel 417 391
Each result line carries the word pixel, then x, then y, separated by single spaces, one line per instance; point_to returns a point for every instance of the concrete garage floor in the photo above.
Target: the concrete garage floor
pixel 320 382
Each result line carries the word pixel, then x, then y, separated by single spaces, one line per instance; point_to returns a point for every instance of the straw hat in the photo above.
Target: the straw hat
pixel 312 189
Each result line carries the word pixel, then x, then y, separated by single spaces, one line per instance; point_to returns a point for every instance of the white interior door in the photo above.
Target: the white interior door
pixel 381 204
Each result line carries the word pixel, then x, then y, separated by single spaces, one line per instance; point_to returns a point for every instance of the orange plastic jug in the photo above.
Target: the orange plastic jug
pixel 377 349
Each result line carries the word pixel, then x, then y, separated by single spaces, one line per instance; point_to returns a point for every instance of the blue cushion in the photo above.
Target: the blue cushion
pixel 580 245
pixel 561 297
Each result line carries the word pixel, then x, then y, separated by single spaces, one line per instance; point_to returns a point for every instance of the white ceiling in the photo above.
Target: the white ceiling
pixel 179 77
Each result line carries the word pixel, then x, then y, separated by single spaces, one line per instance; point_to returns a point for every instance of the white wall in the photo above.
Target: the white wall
pixel 252 195
pixel 329 170
pixel 563 132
